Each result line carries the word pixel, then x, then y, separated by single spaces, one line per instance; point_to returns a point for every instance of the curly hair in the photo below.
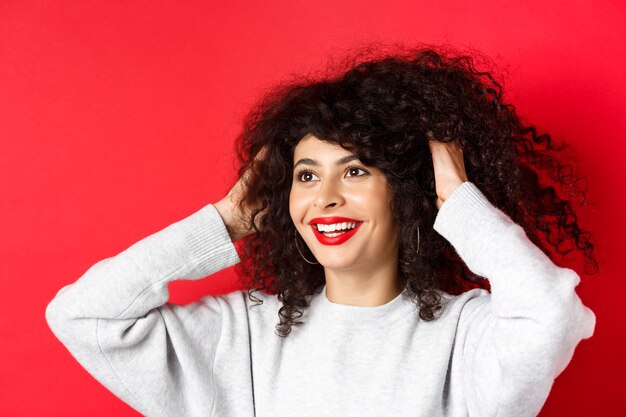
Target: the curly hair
pixel 385 109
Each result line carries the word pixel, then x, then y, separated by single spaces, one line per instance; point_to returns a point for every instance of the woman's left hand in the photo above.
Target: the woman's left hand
pixel 449 168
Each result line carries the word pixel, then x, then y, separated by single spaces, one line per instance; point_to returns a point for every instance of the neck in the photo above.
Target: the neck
pixel 369 285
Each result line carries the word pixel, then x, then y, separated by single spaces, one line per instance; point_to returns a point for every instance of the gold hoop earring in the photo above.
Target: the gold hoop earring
pixel 295 237
pixel 418 240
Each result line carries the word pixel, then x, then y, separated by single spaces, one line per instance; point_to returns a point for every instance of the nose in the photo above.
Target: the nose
pixel 328 195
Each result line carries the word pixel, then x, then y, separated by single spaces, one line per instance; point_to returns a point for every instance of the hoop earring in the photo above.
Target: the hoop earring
pixel 295 237
pixel 418 240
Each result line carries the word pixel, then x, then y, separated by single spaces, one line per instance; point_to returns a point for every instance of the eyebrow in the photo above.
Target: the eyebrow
pixel 313 162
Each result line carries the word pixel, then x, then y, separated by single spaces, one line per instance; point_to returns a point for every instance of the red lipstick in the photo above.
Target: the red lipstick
pixel 332 220
pixel 336 240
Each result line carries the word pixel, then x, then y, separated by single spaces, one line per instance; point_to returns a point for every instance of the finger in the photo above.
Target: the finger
pixel 434 144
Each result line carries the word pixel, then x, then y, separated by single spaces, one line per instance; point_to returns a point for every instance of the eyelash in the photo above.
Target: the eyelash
pixel 308 171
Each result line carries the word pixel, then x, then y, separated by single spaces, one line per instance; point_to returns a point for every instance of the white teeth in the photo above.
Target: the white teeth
pixel 336 226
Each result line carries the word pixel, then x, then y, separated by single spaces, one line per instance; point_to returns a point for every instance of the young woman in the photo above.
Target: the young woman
pixel 374 206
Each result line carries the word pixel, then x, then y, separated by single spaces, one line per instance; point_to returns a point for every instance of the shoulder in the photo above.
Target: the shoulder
pixel 240 303
pixel 466 303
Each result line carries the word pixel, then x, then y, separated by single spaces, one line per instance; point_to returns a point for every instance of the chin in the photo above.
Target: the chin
pixel 333 263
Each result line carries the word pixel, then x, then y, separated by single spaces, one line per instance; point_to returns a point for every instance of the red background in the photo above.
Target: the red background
pixel 118 118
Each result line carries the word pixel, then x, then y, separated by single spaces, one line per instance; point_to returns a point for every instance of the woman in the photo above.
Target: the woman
pixel 368 202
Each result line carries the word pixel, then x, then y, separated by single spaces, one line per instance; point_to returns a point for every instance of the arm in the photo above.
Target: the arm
pixel 115 320
pixel 519 339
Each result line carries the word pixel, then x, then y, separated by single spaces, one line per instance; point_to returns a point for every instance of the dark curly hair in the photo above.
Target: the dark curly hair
pixel 385 108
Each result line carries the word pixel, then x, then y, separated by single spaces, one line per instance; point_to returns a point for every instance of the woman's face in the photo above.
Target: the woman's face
pixel 329 181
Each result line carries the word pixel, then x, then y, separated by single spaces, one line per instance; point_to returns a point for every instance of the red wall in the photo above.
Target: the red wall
pixel 117 119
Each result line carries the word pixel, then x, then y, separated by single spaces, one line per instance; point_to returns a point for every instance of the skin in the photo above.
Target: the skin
pixel 362 271
pixel 449 168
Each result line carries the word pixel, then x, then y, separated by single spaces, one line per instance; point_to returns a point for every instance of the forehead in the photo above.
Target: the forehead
pixel 312 146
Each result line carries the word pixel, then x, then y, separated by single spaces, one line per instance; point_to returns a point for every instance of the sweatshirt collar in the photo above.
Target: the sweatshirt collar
pixel 358 317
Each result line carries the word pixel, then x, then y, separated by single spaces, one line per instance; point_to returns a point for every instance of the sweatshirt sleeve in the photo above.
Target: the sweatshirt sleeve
pixel 116 322
pixel 518 339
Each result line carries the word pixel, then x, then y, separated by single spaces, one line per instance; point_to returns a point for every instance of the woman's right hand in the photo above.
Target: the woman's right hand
pixel 236 220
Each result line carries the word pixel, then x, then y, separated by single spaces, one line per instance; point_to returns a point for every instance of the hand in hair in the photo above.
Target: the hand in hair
pixel 449 168
pixel 235 215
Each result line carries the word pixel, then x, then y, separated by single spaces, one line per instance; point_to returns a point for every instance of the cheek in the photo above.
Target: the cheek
pixel 379 203
pixel 377 200
pixel 296 206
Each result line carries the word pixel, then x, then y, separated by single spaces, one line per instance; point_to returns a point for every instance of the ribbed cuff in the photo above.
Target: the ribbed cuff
pixel 209 241
pixel 467 205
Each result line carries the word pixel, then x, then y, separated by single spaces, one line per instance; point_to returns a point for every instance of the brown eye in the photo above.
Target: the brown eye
pixel 304 173
pixel 356 170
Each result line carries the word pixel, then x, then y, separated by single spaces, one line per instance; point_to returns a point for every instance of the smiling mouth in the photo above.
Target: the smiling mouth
pixel 334 233
pixel 335 237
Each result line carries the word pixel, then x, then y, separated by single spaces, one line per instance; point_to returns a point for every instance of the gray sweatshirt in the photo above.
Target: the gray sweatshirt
pixel 488 354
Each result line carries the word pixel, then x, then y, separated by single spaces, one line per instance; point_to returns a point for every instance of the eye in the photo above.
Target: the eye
pixel 352 169
pixel 303 173
pixel 308 175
